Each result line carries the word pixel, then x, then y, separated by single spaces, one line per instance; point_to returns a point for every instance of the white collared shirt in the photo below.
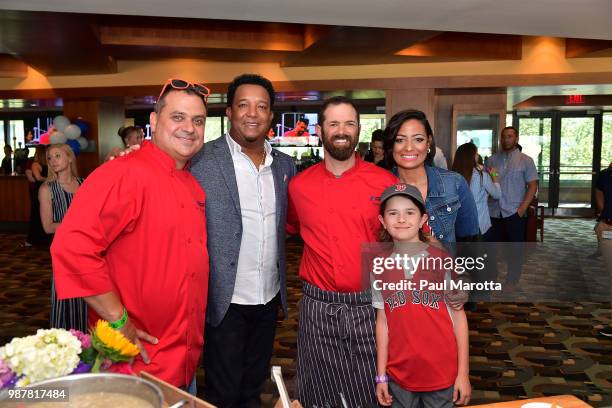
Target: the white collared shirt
pixel 257 279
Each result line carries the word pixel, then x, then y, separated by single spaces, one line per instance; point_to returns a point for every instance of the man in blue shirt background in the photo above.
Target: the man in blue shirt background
pixel 518 178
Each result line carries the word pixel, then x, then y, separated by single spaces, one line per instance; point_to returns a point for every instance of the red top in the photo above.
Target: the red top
pixel 137 227
pixel 334 216
pixel 422 352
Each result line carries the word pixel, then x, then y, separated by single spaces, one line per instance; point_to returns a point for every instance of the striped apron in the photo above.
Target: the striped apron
pixel 336 349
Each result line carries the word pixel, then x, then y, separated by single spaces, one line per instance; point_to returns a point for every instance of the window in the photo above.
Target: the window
pixel 16 134
pixel 606 140
pixel 369 123
pixel 213 128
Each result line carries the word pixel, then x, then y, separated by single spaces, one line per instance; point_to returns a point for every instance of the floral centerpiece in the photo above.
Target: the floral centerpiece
pixel 57 352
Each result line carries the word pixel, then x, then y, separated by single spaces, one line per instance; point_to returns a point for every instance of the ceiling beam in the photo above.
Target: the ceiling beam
pixel 11 67
pixel 339 45
pixel 206 35
pixel 468 45
pixel 578 47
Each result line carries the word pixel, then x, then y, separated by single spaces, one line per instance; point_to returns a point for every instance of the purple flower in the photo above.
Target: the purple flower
pixel 82 368
pixel 7 376
pixel 85 339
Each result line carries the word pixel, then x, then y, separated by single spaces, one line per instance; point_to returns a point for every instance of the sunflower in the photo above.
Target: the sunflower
pixel 112 343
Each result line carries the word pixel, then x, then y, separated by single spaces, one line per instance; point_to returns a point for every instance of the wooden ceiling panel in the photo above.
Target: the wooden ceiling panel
pixel 356 46
pixel 268 37
pixel 54 43
pixel 468 45
pixel 578 47
pixel 10 67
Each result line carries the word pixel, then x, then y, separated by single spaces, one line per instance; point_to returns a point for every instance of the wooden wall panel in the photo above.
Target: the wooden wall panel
pixel 15 202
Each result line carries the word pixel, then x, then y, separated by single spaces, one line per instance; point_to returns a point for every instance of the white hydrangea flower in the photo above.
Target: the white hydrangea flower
pixel 47 354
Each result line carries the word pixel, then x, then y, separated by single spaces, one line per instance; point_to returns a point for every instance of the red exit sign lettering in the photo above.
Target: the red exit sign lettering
pixel 574 99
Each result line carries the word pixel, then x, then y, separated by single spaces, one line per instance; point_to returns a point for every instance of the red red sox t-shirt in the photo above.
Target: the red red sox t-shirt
pixel 422 346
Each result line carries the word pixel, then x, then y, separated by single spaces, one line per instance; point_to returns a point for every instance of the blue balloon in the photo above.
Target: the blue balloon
pixel 82 125
pixel 74 145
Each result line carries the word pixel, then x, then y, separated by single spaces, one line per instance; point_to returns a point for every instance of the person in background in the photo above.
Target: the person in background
pixel 377 152
pixel 518 178
pixel 439 159
pixel 36 172
pixel 483 184
pixel 130 136
pixel 603 202
pixel 55 196
pixel 7 162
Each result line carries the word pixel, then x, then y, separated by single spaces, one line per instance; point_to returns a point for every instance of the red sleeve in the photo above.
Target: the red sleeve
pixel 293 220
pixel 105 206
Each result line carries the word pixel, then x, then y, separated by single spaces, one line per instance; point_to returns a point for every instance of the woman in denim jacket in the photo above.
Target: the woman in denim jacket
pixel 409 150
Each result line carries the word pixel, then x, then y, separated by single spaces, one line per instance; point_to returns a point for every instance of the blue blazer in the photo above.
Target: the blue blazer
pixel 214 169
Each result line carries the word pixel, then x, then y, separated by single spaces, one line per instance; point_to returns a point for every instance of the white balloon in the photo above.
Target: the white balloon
pixel 72 131
pixel 58 137
pixel 83 142
pixel 60 122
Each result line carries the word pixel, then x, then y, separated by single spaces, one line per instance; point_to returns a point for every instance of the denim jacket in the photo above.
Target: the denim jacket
pixel 450 205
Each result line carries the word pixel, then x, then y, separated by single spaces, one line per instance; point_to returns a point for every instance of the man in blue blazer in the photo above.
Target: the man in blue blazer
pixel 245 181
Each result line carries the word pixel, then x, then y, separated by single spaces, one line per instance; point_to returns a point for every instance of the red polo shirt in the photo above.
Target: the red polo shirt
pixel 335 216
pixel 137 227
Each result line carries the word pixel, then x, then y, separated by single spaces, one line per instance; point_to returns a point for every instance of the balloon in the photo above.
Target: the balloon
pixel 74 145
pixel 83 142
pixel 60 122
pixel 44 139
pixel 72 132
pixel 58 137
pixel 82 125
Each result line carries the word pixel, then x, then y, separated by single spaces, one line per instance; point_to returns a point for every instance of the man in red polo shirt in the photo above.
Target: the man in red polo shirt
pixel 133 243
pixel 334 206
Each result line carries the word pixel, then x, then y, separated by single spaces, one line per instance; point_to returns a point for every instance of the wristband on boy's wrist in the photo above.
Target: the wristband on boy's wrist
pixel 118 324
pixel 381 379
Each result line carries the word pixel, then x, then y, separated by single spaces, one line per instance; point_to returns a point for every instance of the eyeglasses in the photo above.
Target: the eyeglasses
pixel 181 84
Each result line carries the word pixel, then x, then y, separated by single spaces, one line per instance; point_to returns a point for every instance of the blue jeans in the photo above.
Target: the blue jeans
pixel 192 388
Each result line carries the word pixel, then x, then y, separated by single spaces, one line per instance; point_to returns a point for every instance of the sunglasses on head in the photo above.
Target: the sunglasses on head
pixel 181 84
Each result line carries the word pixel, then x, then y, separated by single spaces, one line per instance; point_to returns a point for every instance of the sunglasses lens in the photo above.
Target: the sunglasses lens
pixel 179 84
pixel 201 89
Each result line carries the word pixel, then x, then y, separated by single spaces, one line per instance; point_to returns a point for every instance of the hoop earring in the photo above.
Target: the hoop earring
pixel 428 150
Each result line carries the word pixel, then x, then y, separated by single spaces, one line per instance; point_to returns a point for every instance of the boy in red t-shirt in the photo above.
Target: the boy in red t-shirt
pixel 422 344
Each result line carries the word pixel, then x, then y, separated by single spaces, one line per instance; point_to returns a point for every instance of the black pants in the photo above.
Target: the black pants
pixel 511 229
pixel 237 354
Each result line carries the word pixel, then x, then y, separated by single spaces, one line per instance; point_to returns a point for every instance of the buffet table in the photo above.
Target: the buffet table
pixel 557 401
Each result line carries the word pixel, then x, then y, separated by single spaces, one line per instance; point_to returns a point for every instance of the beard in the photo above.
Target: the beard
pixel 339 153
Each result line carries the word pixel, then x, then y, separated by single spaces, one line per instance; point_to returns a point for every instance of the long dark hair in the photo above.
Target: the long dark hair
pixel 465 160
pixel 393 127
pixel 124 132
pixel 383 235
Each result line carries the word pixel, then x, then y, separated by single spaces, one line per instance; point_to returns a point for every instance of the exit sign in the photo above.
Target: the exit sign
pixel 574 100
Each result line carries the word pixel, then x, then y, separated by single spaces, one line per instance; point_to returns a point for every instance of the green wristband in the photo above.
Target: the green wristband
pixel 121 322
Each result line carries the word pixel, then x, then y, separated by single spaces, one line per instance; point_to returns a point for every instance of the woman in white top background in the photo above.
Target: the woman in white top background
pixel 482 184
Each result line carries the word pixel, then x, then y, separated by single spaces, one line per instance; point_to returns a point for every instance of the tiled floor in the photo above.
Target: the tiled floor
pixel 518 349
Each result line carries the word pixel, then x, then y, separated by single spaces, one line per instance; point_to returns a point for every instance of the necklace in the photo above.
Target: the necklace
pixel 263 158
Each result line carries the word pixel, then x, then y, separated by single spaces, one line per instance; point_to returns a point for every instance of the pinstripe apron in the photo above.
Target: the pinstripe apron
pixel 336 349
